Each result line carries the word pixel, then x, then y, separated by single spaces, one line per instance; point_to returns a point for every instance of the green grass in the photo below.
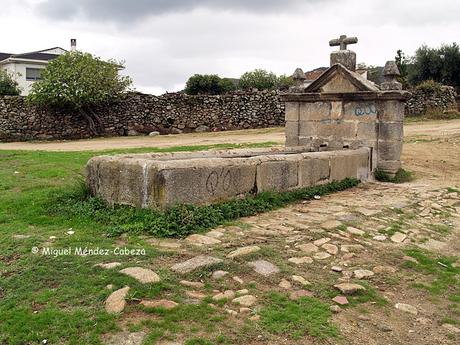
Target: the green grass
pixel 295 319
pixel 401 176
pixel 180 220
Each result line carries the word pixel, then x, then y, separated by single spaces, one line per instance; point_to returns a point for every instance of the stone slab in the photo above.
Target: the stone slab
pixel 195 263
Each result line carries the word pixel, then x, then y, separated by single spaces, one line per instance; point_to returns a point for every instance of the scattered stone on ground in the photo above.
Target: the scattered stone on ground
pixel 228 294
pixel 321 241
pixel 308 248
pixel 108 265
pixel 245 301
pixel 321 256
pixel 331 224
pixel 451 328
pixel 195 294
pixel 342 300
pixel 218 274
pixel 362 274
pixel 407 308
pixel 142 275
pixel 201 240
pixel 384 269
pixel 354 231
pixel 243 251
pixel 295 295
pixel 162 303
pixel 195 285
pixel 115 303
pixel 301 260
pixel 336 269
pixel 330 248
pixel 349 288
pixel 195 263
pixel 300 279
pixel 285 284
pixel 264 267
pixel 398 237
pixel 20 237
pixel 242 292
pixel 380 238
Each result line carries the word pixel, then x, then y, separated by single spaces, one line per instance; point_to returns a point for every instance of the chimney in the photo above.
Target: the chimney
pixel 73 44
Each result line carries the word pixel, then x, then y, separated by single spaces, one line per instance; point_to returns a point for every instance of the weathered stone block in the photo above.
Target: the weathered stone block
pixel 278 173
pixel 314 169
pixel 292 133
pixel 350 164
pixel 201 181
pixel 335 130
pixel 367 130
pixel 308 128
pixel 292 111
pixel 391 131
pixel 390 167
pixel 393 111
pixel 390 150
pixel 315 111
pixel 361 111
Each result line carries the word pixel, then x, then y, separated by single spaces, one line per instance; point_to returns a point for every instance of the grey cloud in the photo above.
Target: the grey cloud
pixel 126 11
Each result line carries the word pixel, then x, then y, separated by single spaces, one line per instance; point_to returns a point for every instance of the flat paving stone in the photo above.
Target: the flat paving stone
pixel 321 256
pixel 301 260
pixel 264 267
pixel 142 275
pixel 195 263
pixel 108 265
pixel 331 224
pixel 330 248
pixel 362 274
pixel 201 240
pixel 308 248
pixel 398 237
pixel 115 303
pixel 245 301
pixel 161 303
pixel 243 251
pixel 407 308
pixel 349 288
pixel 295 295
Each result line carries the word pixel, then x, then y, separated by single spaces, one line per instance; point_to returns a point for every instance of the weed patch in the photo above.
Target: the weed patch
pixel 306 316
pixel 401 176
pixel 181 220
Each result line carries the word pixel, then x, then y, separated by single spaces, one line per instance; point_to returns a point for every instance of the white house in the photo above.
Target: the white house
pixel 26 68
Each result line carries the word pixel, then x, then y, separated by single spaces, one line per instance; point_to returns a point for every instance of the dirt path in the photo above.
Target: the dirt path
pixel 436 129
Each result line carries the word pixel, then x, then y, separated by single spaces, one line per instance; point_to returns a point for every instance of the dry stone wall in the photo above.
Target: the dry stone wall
pixel 437 100
pixel 141 114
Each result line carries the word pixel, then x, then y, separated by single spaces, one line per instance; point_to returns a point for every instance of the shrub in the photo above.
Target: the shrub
pixel 208 84
pixel 258 79
pixel 79 81
pixel 8 86
pixel 429 87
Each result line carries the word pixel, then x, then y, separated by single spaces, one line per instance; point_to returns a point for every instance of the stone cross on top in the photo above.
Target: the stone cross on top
pixel 343 41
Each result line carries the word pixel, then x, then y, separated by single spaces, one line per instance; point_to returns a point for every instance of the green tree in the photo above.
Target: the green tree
pixel 8 86
pixel 258 79
pixel 79 82
pixel 283 82
pixel 404 64
pixel 439 64
pixel 208 84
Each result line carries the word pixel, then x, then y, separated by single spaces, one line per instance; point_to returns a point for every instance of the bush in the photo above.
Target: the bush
pixel 208 84
pixel 8 86
pixel 429 87
pixel 258 79
pixel 79 81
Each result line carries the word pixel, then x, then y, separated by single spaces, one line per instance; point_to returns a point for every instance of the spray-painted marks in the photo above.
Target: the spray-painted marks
pixel 366 109
pixel 219 179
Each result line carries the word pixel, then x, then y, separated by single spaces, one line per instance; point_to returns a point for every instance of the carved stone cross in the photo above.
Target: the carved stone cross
pixel 343 41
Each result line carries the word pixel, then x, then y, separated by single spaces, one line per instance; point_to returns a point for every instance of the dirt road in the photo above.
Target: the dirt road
pixel 432 129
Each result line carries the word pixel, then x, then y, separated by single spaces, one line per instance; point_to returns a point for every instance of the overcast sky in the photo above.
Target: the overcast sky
pixel 163 42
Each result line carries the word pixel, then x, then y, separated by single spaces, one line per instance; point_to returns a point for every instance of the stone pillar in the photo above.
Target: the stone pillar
pixel 345 57
pixel 391 127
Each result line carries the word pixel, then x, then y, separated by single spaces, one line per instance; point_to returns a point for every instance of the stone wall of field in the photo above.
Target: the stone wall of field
pixel 142 114
pixel 436 100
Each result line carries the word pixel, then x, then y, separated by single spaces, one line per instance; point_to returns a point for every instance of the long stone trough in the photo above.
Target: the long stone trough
pixel 161 180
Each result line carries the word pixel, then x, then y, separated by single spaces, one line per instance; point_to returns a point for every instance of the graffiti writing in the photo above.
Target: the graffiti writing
pixel 367 109
pixel 218 179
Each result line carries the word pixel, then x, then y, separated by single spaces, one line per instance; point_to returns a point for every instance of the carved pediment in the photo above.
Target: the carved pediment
pixel 338 79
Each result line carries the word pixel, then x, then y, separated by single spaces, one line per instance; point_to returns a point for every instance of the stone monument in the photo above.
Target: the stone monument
pixel 343 110
pixel 356 124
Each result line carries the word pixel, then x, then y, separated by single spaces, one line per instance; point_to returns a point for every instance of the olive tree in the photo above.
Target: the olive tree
pixel 79 82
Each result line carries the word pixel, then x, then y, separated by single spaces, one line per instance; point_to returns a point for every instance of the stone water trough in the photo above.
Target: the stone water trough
pixel 341 125
pixel 158 180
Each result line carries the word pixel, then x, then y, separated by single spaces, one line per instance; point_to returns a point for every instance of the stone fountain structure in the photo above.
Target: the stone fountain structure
pixel 341 125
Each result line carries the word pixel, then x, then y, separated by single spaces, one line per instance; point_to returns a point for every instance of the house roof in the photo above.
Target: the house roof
pixel 314 74
pixel 39 55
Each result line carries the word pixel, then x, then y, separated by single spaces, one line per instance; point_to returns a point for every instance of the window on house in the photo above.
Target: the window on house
pixel 33 73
